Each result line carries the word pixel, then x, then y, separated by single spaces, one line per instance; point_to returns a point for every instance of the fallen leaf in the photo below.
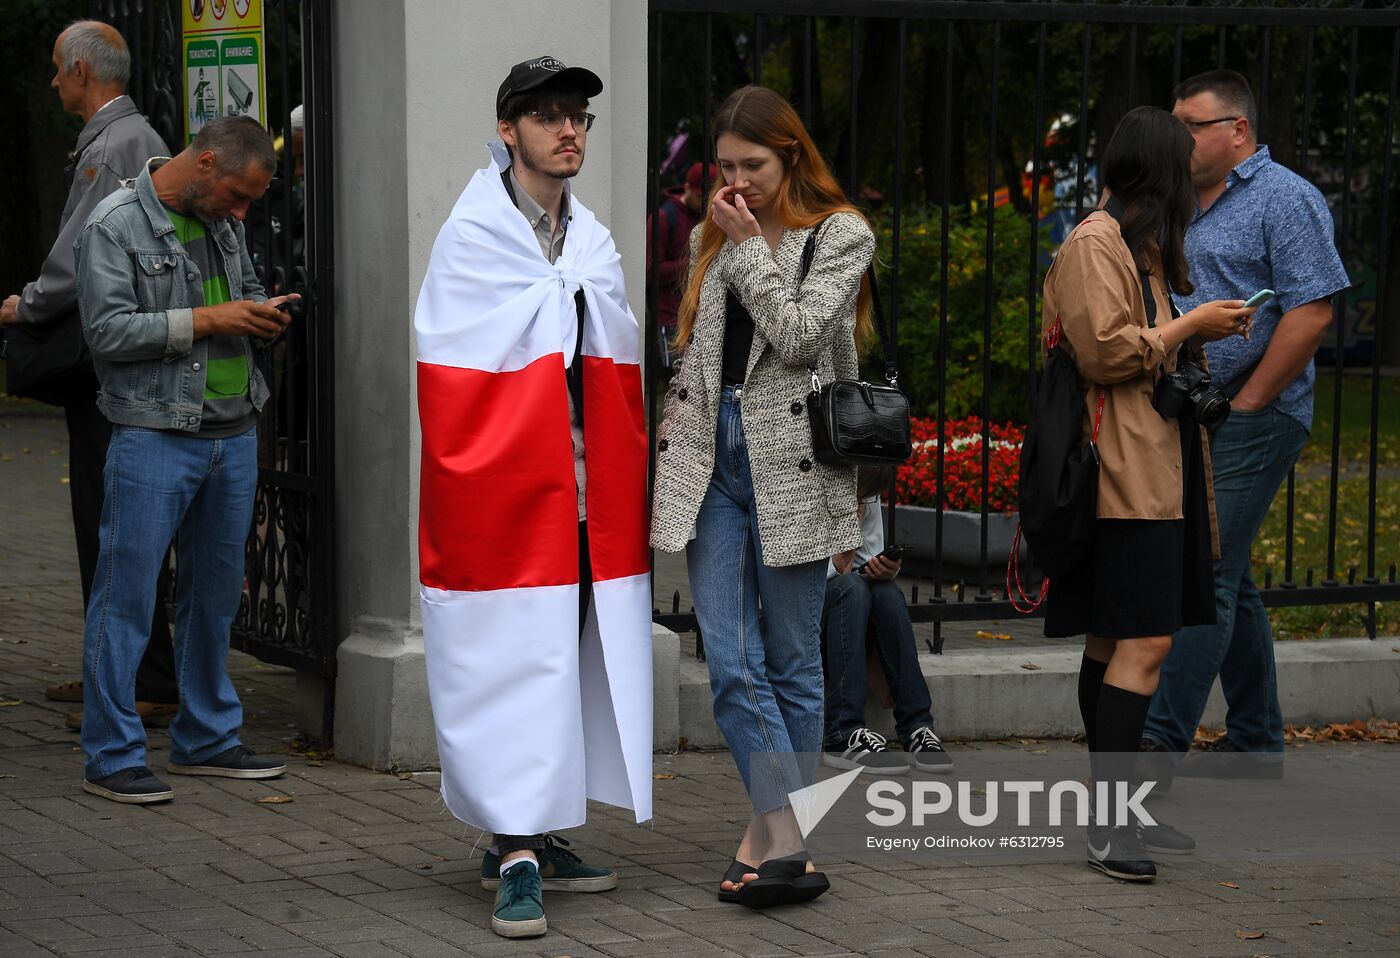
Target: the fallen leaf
pixel 663 775
pixel 274 800
pixel 1030 741
pixel 1030 666
pixel 1318 921
pixel 8 775
pixel 1227 884
pixel 8 703
pixel 1249 935
pixel 1278 887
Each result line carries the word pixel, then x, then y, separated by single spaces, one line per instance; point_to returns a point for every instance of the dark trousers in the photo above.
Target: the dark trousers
pixel 860 608
pixel 89 433
pixel 505 844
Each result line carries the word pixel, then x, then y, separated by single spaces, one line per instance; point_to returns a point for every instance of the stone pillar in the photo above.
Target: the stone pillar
pixel 415 93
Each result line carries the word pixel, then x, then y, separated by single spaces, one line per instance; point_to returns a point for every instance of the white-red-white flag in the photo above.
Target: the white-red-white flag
pixel 531 721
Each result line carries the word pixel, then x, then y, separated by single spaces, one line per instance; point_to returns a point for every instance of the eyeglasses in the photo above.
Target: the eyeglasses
pixel 554 122
pixel 1196 126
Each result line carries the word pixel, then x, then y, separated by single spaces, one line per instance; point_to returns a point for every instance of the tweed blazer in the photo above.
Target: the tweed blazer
pixel 806 510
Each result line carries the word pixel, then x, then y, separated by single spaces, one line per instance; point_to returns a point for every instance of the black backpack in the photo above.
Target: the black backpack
pixel 1059 481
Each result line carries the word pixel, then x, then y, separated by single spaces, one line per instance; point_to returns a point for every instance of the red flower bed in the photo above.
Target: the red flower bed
pixel 917 483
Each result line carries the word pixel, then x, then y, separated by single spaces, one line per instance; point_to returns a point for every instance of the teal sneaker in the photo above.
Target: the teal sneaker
pixel 519 911
pixel 560 870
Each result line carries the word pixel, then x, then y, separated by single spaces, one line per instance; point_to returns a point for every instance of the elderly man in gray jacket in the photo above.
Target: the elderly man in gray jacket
pixel 91 68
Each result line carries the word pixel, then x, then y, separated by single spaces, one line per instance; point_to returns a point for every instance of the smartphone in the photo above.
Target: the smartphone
pixel 1259 298
pixel 286 304
pixel 893 553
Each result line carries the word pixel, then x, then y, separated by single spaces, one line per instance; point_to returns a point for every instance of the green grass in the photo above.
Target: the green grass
pixel 1312 506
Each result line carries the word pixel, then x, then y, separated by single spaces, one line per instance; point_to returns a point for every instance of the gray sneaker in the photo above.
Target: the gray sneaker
pixel 237 762
pixel 130 786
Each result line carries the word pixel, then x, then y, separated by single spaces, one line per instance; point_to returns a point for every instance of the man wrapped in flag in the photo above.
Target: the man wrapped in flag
pixel 532 525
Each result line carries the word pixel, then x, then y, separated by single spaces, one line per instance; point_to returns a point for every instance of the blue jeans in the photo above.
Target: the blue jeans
pixel 160 483
pixel 1251 454
pixel 858 606
pixel 765 676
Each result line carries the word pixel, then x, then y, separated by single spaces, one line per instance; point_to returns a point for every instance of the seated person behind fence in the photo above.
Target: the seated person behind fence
pixel 864 605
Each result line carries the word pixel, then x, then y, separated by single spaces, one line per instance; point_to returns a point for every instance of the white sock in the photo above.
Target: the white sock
pixel 516 861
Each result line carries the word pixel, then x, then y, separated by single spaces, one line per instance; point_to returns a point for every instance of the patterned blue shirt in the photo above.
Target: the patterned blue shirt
pixel 1269 229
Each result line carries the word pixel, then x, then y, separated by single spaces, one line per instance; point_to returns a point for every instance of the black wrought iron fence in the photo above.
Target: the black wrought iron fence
pixel 969 131
pixel 288 613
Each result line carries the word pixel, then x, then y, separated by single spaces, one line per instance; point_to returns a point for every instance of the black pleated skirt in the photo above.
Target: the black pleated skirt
pixel 1146 577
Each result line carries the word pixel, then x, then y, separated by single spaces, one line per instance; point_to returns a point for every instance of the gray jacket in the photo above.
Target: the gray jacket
pixel 137 291
pixel 113 146
pixel 806 510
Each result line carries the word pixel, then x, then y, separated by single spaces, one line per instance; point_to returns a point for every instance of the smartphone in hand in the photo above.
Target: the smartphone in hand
pixel 1259 298
pixel 893 553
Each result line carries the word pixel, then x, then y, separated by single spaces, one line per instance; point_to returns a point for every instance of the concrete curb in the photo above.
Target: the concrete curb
pixel 988 695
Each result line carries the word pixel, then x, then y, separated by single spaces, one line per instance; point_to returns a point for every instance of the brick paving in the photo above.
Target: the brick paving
pixel 359 864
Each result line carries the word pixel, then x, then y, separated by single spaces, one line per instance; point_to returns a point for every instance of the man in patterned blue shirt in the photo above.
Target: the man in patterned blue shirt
pixel 1259 225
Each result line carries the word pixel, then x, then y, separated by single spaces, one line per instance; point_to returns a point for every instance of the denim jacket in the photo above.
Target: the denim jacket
pixel 137 290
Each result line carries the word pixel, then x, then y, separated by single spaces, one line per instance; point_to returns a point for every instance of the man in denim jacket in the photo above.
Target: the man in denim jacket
pixel 172 311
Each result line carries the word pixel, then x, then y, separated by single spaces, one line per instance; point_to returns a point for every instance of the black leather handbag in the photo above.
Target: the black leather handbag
pixel 856 423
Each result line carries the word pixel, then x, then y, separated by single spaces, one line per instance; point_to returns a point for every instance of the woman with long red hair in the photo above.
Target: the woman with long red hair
pixel 775 296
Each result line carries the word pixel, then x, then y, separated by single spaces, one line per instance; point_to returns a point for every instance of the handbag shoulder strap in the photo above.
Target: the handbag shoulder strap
pixel 809 252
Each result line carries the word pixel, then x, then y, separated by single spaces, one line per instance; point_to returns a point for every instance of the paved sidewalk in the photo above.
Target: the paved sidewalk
pixel 357 864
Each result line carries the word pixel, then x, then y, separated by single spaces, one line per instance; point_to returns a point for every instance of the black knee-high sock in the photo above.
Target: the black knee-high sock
pixel 1091 675
pixel 1119 720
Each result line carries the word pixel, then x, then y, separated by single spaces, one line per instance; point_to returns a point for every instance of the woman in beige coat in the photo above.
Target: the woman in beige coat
pixel 738 484
pixel 1150 571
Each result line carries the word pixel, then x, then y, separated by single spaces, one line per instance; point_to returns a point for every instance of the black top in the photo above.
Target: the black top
pixel 738 340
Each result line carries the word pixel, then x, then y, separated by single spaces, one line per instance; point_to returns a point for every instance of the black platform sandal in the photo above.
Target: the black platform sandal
pixel 782 881
pixel 735 874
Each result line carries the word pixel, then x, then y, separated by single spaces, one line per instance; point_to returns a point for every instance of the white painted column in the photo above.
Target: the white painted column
pixel 415 95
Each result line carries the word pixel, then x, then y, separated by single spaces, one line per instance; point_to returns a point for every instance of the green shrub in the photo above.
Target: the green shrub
pixel 919 266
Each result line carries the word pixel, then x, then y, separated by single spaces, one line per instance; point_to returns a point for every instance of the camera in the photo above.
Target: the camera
pixel 1187 393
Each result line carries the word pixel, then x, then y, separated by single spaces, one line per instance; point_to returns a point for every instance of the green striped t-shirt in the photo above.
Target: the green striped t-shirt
pixel 228 410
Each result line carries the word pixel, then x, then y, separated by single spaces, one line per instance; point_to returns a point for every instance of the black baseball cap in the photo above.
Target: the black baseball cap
pixel 541 71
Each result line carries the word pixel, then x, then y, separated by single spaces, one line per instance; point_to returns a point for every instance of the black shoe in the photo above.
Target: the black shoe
pixel 237 762
pixel 130 786
pixel 866 750
pixel 1163 839
pixel 1228 760
pixel 1116 852
pixel 1156 763
pixel 926 752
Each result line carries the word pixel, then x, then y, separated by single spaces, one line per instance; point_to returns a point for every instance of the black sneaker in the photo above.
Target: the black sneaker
pixel 866 749
pixel 1116 852
pixel 1156 763
pixel 130 786
pixel 926 752
pixel 1163 839
pixel 237 762
pixel 1228 760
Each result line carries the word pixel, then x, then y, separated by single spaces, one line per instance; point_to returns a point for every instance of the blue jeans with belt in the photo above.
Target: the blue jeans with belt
pixel 160 483
pixel 1251 453
pixel 765 675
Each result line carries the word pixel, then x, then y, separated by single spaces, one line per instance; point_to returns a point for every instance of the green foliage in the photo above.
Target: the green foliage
pixel 1012 332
